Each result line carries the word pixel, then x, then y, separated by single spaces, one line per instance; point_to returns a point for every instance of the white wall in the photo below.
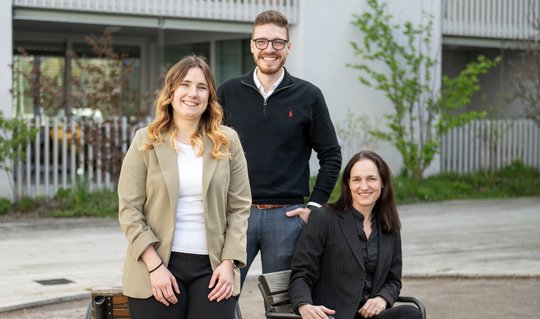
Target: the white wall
pixel 321 50
pixel 6 44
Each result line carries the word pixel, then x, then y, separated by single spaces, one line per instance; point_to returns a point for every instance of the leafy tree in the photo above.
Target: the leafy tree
pixel 102 81
pixel 421 113
pixel 14 136
pixel 100 84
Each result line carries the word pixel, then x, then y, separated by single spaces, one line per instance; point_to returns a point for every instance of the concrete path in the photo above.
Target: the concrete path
pixel 51 260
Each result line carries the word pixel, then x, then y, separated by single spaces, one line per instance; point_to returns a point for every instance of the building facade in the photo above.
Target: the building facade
pixel 153 35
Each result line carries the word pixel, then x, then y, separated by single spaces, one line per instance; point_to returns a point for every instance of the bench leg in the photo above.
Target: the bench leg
pixel 89 311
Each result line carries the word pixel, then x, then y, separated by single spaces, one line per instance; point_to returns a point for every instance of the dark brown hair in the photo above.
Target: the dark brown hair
pixel 272 17
pixel 385 207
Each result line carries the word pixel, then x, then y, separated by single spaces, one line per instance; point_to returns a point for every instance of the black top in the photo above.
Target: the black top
pixel 278 136
pixel 370 252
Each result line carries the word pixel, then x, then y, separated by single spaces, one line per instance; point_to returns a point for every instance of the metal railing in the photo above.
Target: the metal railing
pixel 67 151
pixel 503 19
pixel 490 145
pixel 231 10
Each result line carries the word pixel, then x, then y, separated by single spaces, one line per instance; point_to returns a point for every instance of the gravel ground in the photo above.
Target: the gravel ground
pixel 446 298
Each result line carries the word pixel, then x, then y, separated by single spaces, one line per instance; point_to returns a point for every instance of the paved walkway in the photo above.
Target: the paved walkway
pixel 50 260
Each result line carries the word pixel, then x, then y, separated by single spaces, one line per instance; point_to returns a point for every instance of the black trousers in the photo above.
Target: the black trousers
pixel 193 273
pixel 397 312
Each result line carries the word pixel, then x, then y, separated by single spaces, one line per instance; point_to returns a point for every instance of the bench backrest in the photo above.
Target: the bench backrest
pixel 274 288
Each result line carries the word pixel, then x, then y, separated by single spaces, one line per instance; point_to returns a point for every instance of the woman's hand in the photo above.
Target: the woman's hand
pixel 373 307
pixel 308 311
pixel 164 286
pixel 222 281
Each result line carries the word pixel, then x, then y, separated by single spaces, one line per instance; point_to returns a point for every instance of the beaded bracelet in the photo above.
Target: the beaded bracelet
pixel 151 271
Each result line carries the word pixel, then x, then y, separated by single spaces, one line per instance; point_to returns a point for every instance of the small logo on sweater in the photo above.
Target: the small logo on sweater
pixel 290 114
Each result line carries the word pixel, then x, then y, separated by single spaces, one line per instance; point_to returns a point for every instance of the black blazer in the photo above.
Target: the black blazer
pixel 327 266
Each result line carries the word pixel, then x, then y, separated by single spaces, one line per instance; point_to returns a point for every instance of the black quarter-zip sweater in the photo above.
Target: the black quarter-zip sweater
pixel 278 136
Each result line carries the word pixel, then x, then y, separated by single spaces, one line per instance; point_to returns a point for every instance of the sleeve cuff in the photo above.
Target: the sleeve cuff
pixel 314 204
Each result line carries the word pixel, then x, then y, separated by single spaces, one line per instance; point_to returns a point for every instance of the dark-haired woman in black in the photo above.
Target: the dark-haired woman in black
pixel 347 261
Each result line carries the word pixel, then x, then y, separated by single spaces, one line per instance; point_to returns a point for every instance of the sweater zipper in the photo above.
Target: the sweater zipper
pixel 256 89
pixel 265 103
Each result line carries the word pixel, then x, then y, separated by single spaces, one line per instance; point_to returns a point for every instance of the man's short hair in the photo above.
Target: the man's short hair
pixel 272 17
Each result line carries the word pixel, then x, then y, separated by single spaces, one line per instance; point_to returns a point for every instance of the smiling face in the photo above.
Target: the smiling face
pixel 190 98
pixel 269 60
pixel 365 184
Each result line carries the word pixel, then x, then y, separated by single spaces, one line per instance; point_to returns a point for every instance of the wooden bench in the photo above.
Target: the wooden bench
pixel 110 303
pixel 274 288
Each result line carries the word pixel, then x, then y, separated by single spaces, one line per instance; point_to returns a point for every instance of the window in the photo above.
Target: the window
pixel 43 86
pixel 233 58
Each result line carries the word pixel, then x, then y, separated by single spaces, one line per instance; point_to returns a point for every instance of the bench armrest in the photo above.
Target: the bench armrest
pixel 415 301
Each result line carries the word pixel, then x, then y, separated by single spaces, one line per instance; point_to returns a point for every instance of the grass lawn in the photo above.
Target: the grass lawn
pixel 515 180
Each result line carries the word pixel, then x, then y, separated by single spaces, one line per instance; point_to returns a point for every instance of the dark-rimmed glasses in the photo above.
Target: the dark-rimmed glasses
pixel 277 44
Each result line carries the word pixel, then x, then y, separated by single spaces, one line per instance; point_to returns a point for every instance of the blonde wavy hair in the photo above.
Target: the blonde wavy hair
pixel 210 122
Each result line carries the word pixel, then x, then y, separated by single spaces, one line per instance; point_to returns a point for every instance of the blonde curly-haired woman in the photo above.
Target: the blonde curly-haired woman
pixel 184 201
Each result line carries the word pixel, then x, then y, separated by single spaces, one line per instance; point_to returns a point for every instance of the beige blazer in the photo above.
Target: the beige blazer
pixel 148 194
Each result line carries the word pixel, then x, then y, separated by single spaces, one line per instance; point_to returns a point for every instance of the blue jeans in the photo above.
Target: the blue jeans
pixel 274 234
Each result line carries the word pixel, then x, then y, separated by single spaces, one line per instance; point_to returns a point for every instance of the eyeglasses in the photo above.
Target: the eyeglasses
pixel 277 44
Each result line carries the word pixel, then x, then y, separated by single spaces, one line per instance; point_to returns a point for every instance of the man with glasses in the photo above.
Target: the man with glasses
pixel 280 120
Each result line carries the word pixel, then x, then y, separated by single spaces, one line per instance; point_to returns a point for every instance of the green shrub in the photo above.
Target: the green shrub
pixel 83 203
pixel 62 194
pixel 515 180
pixel 5 206
pixel 25 204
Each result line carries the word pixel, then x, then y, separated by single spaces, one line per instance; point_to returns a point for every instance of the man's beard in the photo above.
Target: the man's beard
pixel 266 69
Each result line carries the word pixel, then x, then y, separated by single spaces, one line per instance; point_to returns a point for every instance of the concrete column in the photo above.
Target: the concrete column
pixel 6 59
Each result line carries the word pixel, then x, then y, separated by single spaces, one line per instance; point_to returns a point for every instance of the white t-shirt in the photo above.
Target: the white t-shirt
pixel 190 231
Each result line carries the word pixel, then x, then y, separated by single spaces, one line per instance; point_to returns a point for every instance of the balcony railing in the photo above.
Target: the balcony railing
pixel 231 10
pixel 502 19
